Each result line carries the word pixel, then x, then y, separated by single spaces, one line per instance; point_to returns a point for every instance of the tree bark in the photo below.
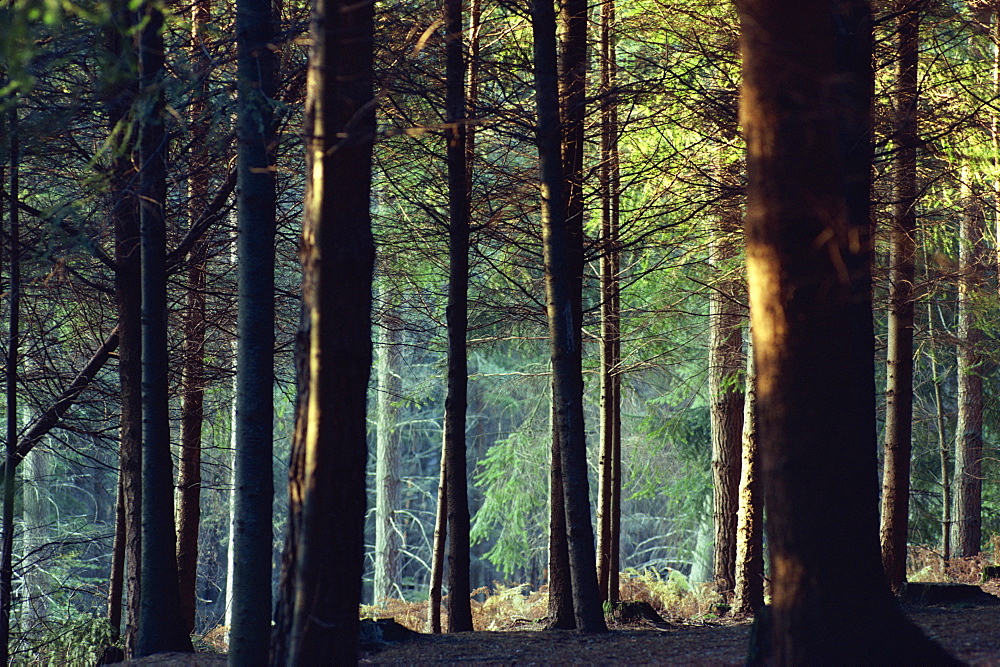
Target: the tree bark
pixel 609 493
pixel 387 453
pixel 456 402
pixel 969 426
pixel 806 113
pixel 338 257
pixel 726 362
pixel 12 362
pixel 560 612
pixel 438 550
pixel 193 361
pixel 256 191
pixel 899 357
pixel 748 595
pixel 563 259
pixel 161 626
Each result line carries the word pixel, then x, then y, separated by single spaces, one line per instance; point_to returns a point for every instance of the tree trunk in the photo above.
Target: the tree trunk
pixel 161 625
pixel 387 452
pixel 456 402
pixel 328 490
pixel 748 595
pixel 969 426
pixel 560 611
pixel 609 493
pixel 806 113
pixel 944 447
pixel 193 368
pixel 726 362
pixel 899 357
pixel 563 259
pixel 438 551
pixel 254 484
pixel 116 580
pixel 36 536
pixel 12 362
pixel 124 214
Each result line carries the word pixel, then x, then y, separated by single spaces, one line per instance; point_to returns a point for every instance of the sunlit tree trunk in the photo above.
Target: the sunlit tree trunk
pixel 609 493
pixel 969 426
pixel 563 259
pixel 726 363
pixel 438 551
pixel 327 476
pixel 899 357
pixel 161 625
pixel 387 448
pixel 944 445
pixel 806 114
pixel 748 595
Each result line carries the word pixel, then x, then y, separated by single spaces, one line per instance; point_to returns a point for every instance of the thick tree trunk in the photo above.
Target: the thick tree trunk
pixel 387 451
pixel 609 493
pixel 252 468
pixel 806 113
pixel 748 595
pixel 563 259
pixel 969 426
pixel 726 362
pixel 899 357
pixel 456 402
pixel 328 490
pixel 560 581
pixel 161 625
pixel 124 214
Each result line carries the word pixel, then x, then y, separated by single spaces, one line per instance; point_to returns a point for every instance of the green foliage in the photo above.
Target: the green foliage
pixel 67 638
pixel 515 473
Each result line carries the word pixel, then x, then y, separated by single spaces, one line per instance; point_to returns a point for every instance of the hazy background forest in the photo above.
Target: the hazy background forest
pixel 679 153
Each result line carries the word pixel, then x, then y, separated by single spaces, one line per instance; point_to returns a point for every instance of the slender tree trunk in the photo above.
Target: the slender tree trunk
pixel 806 113
pixel 328 490
pixel 563 259
pixel 36 535
pixel 12 362
pixel 899 357
pixel 748 595
pixel 254 483
pixel 969 427
pixel 456 402
pixel 944 447
pixel 609 493
pixel 438 550
pixel 726 362
pixel 116 581
pixel 387 453
pixel 193 369
pixel 161 625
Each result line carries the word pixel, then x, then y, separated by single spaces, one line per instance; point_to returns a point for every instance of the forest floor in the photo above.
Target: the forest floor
pixel 971 633
pixel 513 632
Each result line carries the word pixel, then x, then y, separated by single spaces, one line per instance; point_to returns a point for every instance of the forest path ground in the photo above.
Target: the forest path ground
pixel 970 633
